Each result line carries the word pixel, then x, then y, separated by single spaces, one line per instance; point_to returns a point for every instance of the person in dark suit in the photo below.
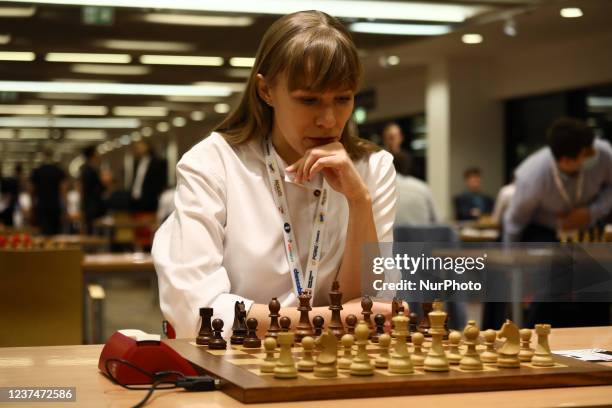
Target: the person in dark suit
pixel 472 203
pixel 150 178
pixel 92 189
pixel 47 181
pixel 9 195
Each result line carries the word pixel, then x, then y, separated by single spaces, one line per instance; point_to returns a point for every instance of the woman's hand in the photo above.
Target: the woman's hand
pixel 337 167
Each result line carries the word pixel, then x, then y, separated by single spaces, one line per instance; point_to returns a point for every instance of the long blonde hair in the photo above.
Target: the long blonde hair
pixel 317 53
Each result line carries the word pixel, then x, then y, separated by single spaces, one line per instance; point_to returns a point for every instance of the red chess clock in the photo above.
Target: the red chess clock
pixel 143 350
pixel 3 241
pixel 15 241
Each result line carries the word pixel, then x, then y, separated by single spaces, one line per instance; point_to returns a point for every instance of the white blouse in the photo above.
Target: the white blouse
pixel 224 242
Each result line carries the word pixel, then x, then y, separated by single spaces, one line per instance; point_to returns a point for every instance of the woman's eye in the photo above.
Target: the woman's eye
pixel 344 99
pixel 308 101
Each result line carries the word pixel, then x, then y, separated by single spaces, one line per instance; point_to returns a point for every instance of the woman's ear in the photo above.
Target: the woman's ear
pixel 263 89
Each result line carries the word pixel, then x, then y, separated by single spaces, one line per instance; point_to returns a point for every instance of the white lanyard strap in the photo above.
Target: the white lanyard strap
pixel 564 192
pixel 300 281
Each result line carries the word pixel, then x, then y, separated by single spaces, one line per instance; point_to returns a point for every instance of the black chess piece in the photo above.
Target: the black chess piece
pixel 239 329
pixel 379 319
pixel 424 325
pixel 335 305
pixel 251 340
pixel 413 320
pixel 205 334
pixel 217 342
pixel 366 312
pixel 304 328
pixel 351 322
pixel 274 307
pixel 285 323
pixel 318 323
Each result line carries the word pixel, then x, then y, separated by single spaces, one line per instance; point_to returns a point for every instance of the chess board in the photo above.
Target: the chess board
pixel 238 368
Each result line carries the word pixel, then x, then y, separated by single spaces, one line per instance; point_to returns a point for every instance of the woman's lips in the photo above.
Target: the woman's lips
pixel 320 141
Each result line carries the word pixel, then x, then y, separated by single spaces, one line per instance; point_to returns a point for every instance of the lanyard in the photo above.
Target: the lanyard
pixel 563 191
pixel 300 281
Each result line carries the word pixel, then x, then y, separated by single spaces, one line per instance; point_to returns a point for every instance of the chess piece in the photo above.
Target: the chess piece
pixel 424 325
pixel 205 334
pixel 239 328
pixel 361 364
pixel 285 365
pixel 400 361
pixel 326 360
pixel 542 356
pixel 395 304
pixel 251 340
pixel 344 362
pixel 366 312
pixel 307 363
pixel 508 352
pixel 335 305
pixel 489 355
pixel 268 364
pixel 413 320
pixel 318 323
pixel 471 358
pixel 417 357
pixel 382 361
pixel 436 357
pixel 454 356
pixel 304 328
pixel 285 324
pixel 379 320
pixel 217 342
pixel 274 307
pixel 351 321
pixel 526 352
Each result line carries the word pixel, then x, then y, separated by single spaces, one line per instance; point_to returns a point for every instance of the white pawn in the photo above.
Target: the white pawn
pixel 361 364
pixel 417 357
pixel 285 365
pixel 268 364
pixel 543 356
pixel 526 353
pixel 307 363
pixel 489 355
pixel 400 362
pixel 344 362
pixel 454 356
pixel 382 361
pixel 471 358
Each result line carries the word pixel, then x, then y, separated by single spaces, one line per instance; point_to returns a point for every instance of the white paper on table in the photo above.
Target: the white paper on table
pixel 587 354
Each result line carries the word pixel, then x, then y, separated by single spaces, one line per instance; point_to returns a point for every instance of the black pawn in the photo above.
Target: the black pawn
pixel 205 334
pixel 351 322
pixel 413 321
pixel 217 342
pixel 379 320
pixel 318 323
pixel 274 307
pixel 285 324
pixel 251 340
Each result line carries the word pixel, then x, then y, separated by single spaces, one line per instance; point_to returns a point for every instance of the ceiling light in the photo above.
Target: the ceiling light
pixel 88 57
pixel 75 110
pixel 196 99
pixel 162 127
pixel 241 62
pixel 571 12
pixel 115 88
pixel 17 56
pixel 471 38
pixel 234 86
pixel 238 72
pixel 146 131
pixel 595 102
pixel 136 136
pixel 34 134
pixel 23 110
pixel 181 60
pixel 393 60
pixel 110 69
pixel 187 19
pixel 222 108
pixel 179 121
pixel 197 116
pixel 37 122
pixel 400 29
pixel 125 140
pixel 5 39
pixel 510 27
pixel 390 10
pixel 97 134
pixel 17 11
pixel 66 96
pixel 140 111
pixel 7 133
pixel 141 45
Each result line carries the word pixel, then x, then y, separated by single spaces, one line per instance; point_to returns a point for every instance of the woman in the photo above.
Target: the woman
pixel 248 194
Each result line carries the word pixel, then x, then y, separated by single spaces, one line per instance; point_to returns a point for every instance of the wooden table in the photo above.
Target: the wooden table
pixel 104 264
pixel 67 366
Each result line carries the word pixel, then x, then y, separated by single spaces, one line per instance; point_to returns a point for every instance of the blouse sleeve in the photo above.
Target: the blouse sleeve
pixel 384 195
pixel 188 248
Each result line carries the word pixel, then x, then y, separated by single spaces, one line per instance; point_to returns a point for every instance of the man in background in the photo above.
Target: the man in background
pixel 472 203
pixel 150 178
pixel 92 189
pixel 47 183
pixel 392 141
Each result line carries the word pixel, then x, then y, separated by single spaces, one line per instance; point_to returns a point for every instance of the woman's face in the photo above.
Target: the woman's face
pixel 304 119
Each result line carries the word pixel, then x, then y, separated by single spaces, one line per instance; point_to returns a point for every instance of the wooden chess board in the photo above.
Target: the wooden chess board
pixel 238 368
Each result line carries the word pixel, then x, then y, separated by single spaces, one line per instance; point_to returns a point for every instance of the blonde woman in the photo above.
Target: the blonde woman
pixel 281 181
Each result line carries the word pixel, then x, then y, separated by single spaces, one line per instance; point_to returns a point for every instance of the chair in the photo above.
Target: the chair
pixel 41 297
